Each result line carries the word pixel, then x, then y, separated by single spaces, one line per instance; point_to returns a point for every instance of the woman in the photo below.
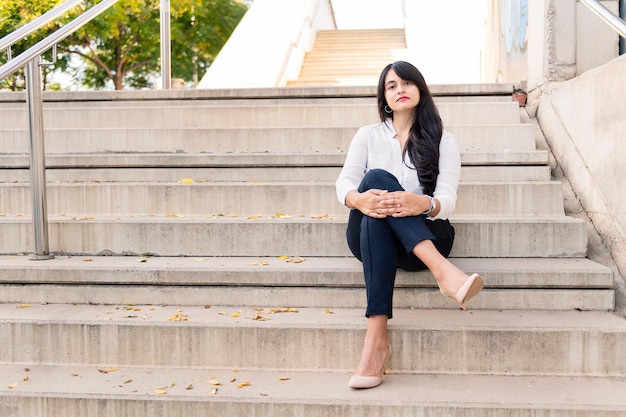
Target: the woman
pixel 400 179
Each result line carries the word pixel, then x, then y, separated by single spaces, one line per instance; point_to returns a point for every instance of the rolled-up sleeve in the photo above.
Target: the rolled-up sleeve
pixel 449 175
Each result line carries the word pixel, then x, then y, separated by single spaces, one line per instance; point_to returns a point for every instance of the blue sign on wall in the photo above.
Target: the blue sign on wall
pixel 514 24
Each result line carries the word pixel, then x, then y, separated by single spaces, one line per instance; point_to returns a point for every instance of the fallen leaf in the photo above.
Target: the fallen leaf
pixel 213 390
pixel 235 314
pixel 284 379
pixel 178 317
pixel 283 310
pixel 186 181
pixel 260 263
pixel 160 391
pixel 328 311
pixel 189 387
pixel 244 384
pixel 128 381
pixel 260 318
pixel 214 382
pixel 22 306
pixel 14 385
pixel 26 378
pixel 107 371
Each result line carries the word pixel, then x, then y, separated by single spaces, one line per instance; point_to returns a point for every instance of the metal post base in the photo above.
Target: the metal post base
pixel 35 257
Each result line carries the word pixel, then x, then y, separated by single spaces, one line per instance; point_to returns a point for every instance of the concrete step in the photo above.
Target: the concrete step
pixel 235 114
pixel 256 174
pixel 519 137
pixel 283 94
pixel 516 137
pixel 250 159
pixel 225 234
pixel 132 391
pixel 316 339
pixel 265 198
pixel 531 283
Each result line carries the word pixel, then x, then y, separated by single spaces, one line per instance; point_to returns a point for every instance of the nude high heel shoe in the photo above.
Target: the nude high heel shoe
pixel 472 286
pixel 363 382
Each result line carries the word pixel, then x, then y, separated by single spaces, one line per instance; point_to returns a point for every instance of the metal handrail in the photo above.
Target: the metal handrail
pixel 31 58
pixel 53 39
pixel 605 14
pixel 37 24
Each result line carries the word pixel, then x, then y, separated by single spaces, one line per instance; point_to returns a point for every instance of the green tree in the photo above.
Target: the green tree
pixel 123 44
pixel 15 14
pixel 199 30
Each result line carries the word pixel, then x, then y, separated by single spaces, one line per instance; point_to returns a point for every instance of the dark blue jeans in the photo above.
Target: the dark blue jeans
pixel 384 245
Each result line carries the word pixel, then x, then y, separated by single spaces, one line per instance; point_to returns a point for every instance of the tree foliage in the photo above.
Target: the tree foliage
pixel 121 47
pixel 15 14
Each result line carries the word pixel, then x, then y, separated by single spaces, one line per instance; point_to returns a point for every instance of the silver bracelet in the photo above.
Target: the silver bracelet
pixel 433 205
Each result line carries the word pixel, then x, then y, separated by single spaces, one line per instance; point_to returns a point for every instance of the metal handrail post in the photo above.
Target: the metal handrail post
pixel 34 102
pixel 166 48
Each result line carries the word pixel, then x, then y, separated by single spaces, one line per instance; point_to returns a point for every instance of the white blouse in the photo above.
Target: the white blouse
pixel 374 146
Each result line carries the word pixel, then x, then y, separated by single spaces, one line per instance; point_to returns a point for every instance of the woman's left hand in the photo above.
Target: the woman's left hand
pixel 404 204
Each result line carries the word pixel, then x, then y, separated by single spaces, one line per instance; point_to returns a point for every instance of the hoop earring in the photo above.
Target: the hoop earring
pixel 388 109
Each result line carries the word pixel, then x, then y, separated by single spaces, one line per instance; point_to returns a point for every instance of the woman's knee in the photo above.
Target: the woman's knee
pixel 379 179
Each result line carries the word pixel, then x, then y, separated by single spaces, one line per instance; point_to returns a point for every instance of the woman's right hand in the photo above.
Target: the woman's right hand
pixel 373 203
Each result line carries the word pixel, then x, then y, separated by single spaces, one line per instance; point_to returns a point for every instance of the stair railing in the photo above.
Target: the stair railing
pixel 605 14
pixel 31 58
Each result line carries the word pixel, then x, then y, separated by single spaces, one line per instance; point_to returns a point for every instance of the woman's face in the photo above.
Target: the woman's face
pixel 401 95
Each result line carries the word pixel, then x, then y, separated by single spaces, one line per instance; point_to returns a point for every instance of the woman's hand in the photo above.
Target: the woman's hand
pixel 381 203
pixel 373 203
pixel 404 204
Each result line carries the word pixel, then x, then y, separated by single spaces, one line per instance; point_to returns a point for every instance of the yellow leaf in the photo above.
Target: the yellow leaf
pixel 26 378
pixel 87 260
pixel 178 317
pixel 260 263
pixel 260 318
pixel 189 387
pixel 283 310
pixel 244 384
pixel 186 181
pixel 107 371
pixel 283 257
pixel 214 382
pixel 22 306
pixel 284 379
pixel 160 391
pixel 233 379
pixel 13 386
pixel 235 314
pixel 329 311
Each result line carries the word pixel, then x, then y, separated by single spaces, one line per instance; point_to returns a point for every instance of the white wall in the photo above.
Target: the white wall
pixel 446 39
pixel 268 45
pixel 584 121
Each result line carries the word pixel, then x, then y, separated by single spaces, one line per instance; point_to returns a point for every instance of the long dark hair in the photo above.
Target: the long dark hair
pixel 425 134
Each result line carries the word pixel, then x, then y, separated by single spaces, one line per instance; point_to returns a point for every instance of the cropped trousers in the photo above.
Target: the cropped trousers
pixel 384 245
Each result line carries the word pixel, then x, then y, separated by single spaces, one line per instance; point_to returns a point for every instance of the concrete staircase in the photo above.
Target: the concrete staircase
pixel 350 57
pixel 202 267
